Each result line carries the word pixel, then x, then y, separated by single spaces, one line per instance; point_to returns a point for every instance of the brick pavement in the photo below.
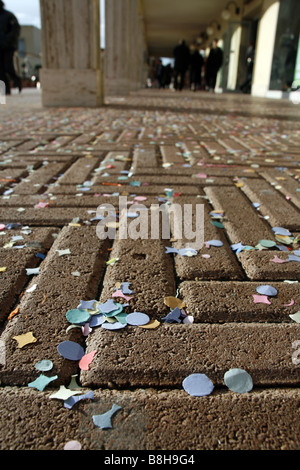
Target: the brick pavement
pixel 238 157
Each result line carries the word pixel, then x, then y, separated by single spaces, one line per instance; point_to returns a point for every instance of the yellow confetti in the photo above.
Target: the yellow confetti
pixel 151 325
pixel 26 338
pixel 174 302
pixel 3 270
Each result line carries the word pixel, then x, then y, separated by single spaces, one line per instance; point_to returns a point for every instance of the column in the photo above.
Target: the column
pixel 124 58
pixel 265 47
pixel 116 47
pixel 71 72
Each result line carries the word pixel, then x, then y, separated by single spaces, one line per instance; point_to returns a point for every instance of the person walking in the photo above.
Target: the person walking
pixel 181 64
pixel 9 37
pixel 213 65
pixel 246 86
pixel 197 62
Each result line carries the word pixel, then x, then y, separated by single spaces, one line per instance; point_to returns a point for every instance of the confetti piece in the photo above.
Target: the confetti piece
pixel 41 205
pixel 103 421
pixel 32 272
pixel 97 320
pixel 26 338
pixel 290 304
pixel 187 252
pixel 63 252
pixel 151 325
pixel 119 293
pixel 41 382
pixel 3 270
pixel 86 329
pixel 188 320
pixel 137 319
pixel 173 316
pixel 174 302
pixel 295 316
pixel 76 273
pixel 261 299
pixel 32 288
pixel 281 231
pixel 267 243
pixel 72 445
pixel 77 316
pixel 267 290
pixel 216 243
pixel 238 380
pixel 293 258
pixel 198 385
pixel 13 313
pixel 278 260
pixel 113 326
pixel 112 261
pixel 108 307
pixel 44 365
pixel 87 304
pixel 217 224
pixel 64 393
pixel 70 350
pixel 86 360
pixel 70 402
pixel 125 288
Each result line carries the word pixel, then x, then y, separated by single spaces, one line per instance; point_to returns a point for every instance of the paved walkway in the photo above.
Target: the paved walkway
pixel 70 352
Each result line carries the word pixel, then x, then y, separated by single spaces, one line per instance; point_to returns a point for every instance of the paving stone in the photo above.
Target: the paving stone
pixel 36 182
pixel 272 204
pixel 152 420
pixel 44 311
pixel 259 265
pixel 135 357
pixel 140 261
pixel 242 221
pixel 232 301
pixel 211 262
pixel 79 172
pixel 285 184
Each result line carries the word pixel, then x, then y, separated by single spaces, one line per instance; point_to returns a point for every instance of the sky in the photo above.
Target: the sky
pixel 28 13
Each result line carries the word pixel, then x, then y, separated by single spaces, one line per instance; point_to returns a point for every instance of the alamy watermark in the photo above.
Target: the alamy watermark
pixel 166 221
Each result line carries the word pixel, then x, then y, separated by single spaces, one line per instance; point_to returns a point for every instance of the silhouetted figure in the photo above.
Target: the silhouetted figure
pixel 160 74
pixel 196 61
pixel 181 65
pixel 9 37
pixel 246 86
pixel 213 65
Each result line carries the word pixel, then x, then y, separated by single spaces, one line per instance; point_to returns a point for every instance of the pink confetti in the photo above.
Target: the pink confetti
pixel 86 360
pixel 201 175
pixel 119 293
pixel 140 198
pixel 206 256
pixel 290 304
pixel 277 260
pixel 261 299
pixel 2 227
pixel 41 205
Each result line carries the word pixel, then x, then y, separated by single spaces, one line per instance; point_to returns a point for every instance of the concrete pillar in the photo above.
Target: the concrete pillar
pixel 71 74
pixel 265 47
pixel 124 50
